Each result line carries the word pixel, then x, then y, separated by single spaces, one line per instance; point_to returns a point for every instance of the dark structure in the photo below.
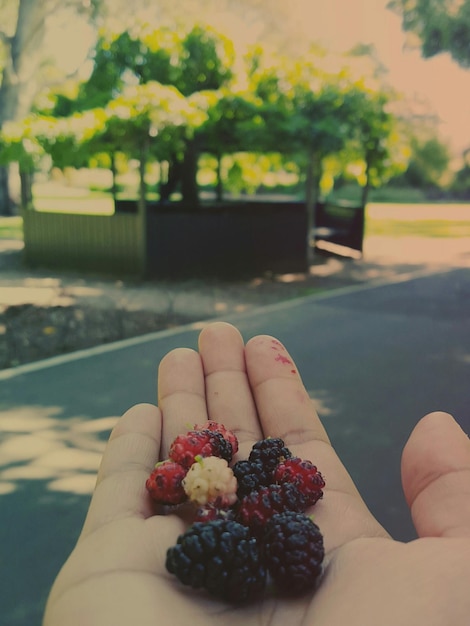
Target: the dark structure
pixel 171 241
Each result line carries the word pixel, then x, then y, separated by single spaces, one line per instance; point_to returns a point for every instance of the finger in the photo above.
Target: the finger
pixel 228 393
pixel 129 457
pixel 181 394
pixel 436 477
pixel 286 410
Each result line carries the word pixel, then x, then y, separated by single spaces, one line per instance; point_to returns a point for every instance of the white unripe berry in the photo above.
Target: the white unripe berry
pixel 210 480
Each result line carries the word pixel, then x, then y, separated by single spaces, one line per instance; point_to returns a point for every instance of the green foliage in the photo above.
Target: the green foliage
pixel 234 123
pixel 198 60
pixel 460 186
pixel 112 57
pixel 329 123
pixel 440 25
pixel 150 94
pixel 428 162
pixel 18 144
pixel 205 62
pixel 376 144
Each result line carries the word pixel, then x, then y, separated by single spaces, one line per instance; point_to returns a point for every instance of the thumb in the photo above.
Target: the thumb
pixel 435 472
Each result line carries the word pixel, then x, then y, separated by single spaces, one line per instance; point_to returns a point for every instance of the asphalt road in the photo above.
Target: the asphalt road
pixel 376 359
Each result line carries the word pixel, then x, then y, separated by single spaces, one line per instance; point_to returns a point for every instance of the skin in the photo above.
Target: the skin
pixel 116 574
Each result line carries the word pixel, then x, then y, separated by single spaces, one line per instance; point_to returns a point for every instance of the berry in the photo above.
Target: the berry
pixel 294 552
pixel 165 483
pixel 185 448
pixel 269 452
pixel 210 479
pixel 210 512
pixel 221 557
pixel 304 475
pixel 250 477
pixel 257 508
pixel 227 434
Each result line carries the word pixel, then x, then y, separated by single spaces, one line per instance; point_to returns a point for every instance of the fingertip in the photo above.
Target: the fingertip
pixel 177 355
pixel 435 468
pixel 135 439
pixel 139 418
pixel 129 456
pixel 178 368
pixel 263 340
pixel 437 419
pixel 436 431
pixel 221 348
pixel 219 329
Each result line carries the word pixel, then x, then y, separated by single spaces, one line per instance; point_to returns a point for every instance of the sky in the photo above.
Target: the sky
pixel 439 81
pixel 338 25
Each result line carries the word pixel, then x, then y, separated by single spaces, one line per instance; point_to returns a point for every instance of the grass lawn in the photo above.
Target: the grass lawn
pixel 423 228
pixel 418 220
pixel 11 227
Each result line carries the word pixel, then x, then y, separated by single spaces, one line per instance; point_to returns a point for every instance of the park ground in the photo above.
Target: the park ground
pixel 44 313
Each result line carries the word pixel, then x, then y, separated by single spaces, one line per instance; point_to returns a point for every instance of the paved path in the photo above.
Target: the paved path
pixel 376 359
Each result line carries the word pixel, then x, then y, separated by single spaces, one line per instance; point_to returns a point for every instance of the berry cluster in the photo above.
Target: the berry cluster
pixel 197 468
pixel 250 524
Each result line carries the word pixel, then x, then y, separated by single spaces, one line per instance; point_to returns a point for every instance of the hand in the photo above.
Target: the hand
pixel 116 574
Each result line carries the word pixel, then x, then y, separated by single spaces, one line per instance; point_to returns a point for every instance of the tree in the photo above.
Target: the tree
pixel 198 61
pixel 375 139
pixel 439 26
pixel 18 144
pixel 22 38
pixel 232 125
pixel 306 116
pixel 205 64
pixel 429 161
pixel 461 184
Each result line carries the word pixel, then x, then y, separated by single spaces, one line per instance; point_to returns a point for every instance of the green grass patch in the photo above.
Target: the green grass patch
pixel 421 228
pixel 399 195
pixel 91 204
pixel 11 227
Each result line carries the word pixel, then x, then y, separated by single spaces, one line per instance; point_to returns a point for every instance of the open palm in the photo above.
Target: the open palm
pixel 116 575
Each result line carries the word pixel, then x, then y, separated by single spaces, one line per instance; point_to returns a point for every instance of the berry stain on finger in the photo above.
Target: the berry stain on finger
pixel 280 358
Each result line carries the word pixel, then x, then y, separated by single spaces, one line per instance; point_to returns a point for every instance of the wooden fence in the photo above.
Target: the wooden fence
pixel 229 240
pixel 101 243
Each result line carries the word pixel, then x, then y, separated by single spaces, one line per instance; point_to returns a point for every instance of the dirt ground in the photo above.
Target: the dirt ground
pixel 44 313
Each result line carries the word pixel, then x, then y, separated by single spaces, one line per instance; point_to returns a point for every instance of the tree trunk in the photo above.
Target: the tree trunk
pixel 170 184
pixel 142 205
pixel 366 187
pixel 18 85
pixel 189 188
pixel 114 179
pixel 312 194
pixel 6 205
pixel 26 178
pixel 219 188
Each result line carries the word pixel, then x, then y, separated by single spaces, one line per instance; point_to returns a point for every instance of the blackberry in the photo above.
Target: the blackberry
pixel 222 447
pixel 294 552
pixel 250 477
pixel 269 452
pixel 221 557
pixel 257 508
pixel 220 428
pixel 304 475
